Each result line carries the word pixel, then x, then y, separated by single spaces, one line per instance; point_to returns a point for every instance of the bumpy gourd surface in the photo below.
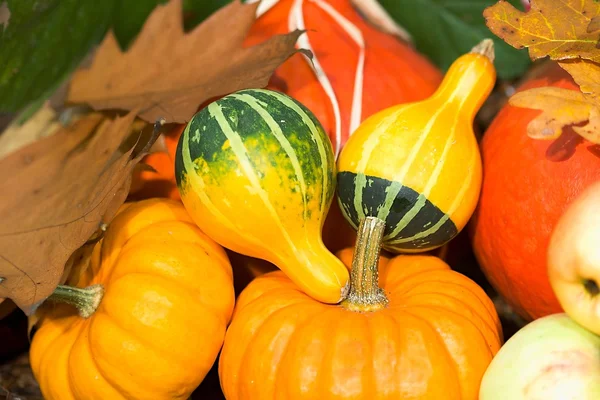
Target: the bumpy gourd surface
pixel 256 172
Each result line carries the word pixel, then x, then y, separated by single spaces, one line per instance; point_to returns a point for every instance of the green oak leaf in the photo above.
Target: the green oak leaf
pixel 443 30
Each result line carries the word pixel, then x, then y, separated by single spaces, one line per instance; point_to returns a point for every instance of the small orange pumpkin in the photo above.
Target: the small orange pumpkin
pixel 159 325
pixel 428 333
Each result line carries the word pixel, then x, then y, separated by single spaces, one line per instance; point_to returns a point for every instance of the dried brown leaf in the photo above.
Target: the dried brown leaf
pixel 555 28
pixel 41 124
pixel 55 193
pixel 167 73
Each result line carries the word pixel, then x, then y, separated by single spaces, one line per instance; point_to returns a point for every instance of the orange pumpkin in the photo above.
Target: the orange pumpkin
pixel 160 182
pixel 428 333
pixel 164 296
pixel 527 186
pixel 353 83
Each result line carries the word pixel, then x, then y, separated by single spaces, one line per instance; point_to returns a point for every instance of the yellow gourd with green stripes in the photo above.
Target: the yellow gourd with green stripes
pixel 256 172
pixel 417 166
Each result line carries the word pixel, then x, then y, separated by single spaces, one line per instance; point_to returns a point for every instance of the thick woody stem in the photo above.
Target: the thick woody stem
pixel 86 300
pixel 365 293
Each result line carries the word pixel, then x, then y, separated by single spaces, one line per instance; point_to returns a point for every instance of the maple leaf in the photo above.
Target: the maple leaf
pixel 167 73
pixel 56 192
pixel 555 28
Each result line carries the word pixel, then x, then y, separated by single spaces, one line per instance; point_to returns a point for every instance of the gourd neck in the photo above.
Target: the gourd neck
pixel 469 80
pixel 365 294
pixel 86 300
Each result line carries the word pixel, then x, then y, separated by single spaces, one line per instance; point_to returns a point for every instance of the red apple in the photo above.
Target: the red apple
pixel 574 259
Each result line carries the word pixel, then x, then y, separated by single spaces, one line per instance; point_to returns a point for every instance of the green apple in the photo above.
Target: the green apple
pixel 552 358
pixel 574 259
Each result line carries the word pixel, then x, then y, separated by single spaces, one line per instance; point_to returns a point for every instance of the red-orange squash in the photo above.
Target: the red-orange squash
pixel 428 333
pixel 159 182
pixel 527 185
pixel 354 82
pixel 154 301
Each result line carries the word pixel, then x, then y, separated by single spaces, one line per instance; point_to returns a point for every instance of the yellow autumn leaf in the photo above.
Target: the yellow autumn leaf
pixel 564 107
pixel 561 29
pixel 561 107
pixel 586 74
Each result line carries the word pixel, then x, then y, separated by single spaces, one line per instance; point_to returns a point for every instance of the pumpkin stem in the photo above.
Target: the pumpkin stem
pixel 365 293
pixel 485 48
pixel 86 299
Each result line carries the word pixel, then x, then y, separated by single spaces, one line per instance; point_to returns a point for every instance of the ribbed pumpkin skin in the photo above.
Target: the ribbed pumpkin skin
pixel 434 340
pixel 417 166
pixel 405 75
pixel 256 172
pixel 527 185
pixel 161 323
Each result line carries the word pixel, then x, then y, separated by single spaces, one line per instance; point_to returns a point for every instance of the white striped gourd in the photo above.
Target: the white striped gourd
pixel 417 166
pixel 256 172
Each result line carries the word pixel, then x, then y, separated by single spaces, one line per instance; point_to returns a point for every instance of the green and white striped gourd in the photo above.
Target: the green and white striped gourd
pixel 256 172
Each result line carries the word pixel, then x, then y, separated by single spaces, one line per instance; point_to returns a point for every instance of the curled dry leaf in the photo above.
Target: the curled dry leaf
pixel 567 31
pixel 586 74
pixel 41 124
pixel 564 107
pixel 555 28
pixel 561 107
pixel 56 192
pixel 44 122
pixel 167 73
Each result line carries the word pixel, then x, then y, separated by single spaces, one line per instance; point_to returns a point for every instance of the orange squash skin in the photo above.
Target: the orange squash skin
pixel 405 75
pixel 527 186
pixel 160 182
pixel 282 344
pixel 160 325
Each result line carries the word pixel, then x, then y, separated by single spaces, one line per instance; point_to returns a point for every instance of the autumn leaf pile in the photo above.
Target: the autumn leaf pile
pixel 67 169
pixel 568 32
